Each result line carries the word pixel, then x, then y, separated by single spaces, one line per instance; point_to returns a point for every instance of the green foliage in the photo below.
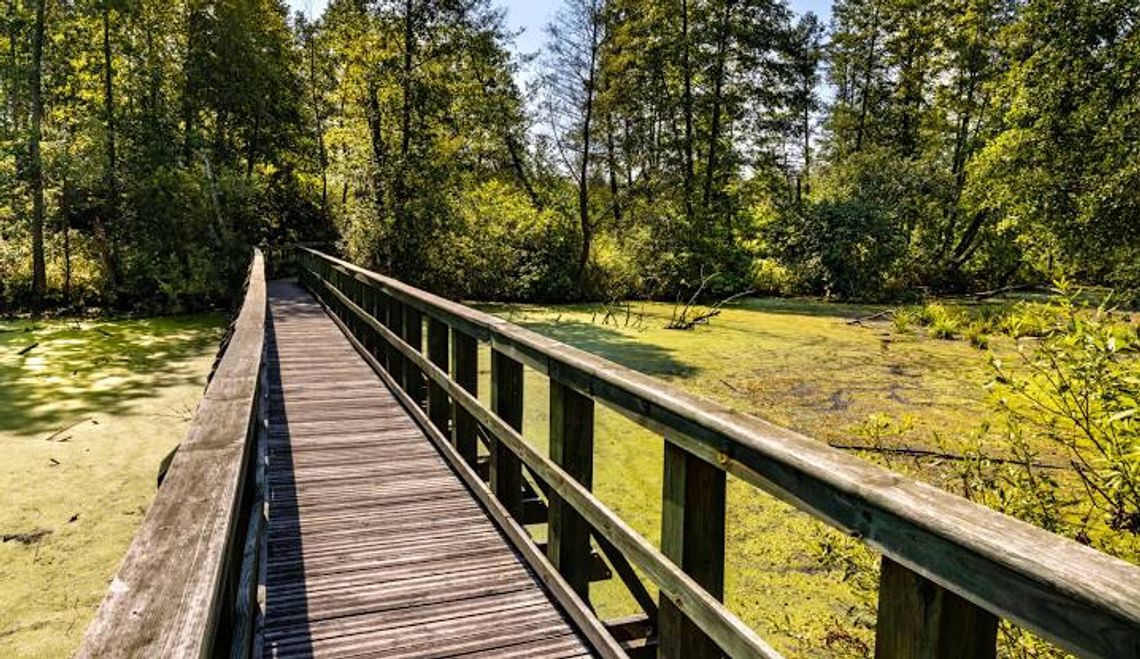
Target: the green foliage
pixel 501 248
pixel 769 277
pixel 843 249
pixel 1078 391
pixel 976 334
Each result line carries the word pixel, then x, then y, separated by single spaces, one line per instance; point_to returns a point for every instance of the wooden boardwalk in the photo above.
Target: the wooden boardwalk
pixel 375 547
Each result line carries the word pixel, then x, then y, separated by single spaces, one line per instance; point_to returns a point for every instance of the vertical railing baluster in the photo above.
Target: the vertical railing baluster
pixel 414 336
pixel 395 322
pixel 692 536
pixel 507 404
pixel 465 372
pixel 572 447
pixel 919 618
pixel 439 407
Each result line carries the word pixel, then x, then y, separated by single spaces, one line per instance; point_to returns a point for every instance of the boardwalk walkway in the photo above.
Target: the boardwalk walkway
pixel 375 546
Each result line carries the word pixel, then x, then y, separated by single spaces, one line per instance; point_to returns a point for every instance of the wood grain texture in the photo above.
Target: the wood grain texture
pixel 572 448
pixel 375 546
pixel 919 619
pixel 439 406
pixel 465 373
pixel 1084 600
pixel 692 535
pixel 507 403
pixel 166 597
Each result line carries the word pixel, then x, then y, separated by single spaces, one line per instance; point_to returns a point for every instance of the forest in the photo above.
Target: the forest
pixel 904 149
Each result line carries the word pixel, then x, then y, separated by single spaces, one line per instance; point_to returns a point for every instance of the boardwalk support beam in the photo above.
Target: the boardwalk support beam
pixel 918 618
pixel 507 403
pixel 572 448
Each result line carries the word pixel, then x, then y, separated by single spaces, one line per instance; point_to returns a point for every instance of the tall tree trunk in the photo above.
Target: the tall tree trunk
pixel 322 155
pixel 687 110
pixel 958 168
pixel 251 146
pixel 35 165
pixel 379 151
pixel 717 101
pixel 111 179
pixel 865 92
pixel 584 164
pixel 514 150
pixel 404 240
pixel 806 129
pixel 65 214
pixel 189 106
pixel 611 164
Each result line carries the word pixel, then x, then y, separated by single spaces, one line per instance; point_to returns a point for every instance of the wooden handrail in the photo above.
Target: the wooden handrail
pixel 966 563
pixel 179 575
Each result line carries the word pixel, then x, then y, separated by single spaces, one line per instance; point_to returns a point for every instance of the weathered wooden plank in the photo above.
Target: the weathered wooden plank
pixel 588 624
pixel 736 638
pixel 465 372
pixel 507 403
pixel 692 535
pixel 572 448
pixel 372 538
pixel 918 619
pixel 439 405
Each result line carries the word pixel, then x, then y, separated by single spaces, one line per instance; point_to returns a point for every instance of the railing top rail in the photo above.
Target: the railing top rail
pixel 1085 600
pixel 164 599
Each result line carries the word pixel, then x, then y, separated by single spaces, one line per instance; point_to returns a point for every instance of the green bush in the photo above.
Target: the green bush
pixel 977 335
pixel 769 277
pixel 845 249
pixel 904 319
pixel 941 322
pixel 1029 319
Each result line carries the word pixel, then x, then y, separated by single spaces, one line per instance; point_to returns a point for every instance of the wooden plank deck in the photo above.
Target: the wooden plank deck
pixel 375 547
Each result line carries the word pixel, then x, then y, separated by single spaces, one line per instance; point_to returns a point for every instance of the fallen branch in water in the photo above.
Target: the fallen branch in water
pixel 27 349
pixel 682 320
pixel 64 429
pixel 875 316
pixel 29 538
pixel 940 455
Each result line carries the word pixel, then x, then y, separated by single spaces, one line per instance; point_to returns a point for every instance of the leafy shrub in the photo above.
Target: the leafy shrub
pixel 941 322
pixel 844 249
pixel 771 278
pixel 977 336
pixel 1078 392
pixel 1029 319
pixel 904 319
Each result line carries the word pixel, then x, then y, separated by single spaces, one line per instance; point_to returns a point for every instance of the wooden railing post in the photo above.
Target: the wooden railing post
pixel 507 404
pixel 394 320
pixel 465 372
pixel 572 448
pixel 920 619
pixel 375 344
pixel 692 536
pixel 414 336
pixel 439 406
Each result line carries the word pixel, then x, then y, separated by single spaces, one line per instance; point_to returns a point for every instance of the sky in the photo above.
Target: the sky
pixel 531 16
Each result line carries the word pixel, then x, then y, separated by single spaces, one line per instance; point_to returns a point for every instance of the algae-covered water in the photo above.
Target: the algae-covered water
pixel 88 410
pixel 800 364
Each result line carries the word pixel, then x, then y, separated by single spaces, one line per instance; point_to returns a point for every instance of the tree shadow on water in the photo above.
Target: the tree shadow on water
pixel 615 346
pixel 70 371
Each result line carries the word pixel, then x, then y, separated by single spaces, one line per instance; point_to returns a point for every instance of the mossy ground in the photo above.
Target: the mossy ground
pixel 86 416
pixel 800 364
